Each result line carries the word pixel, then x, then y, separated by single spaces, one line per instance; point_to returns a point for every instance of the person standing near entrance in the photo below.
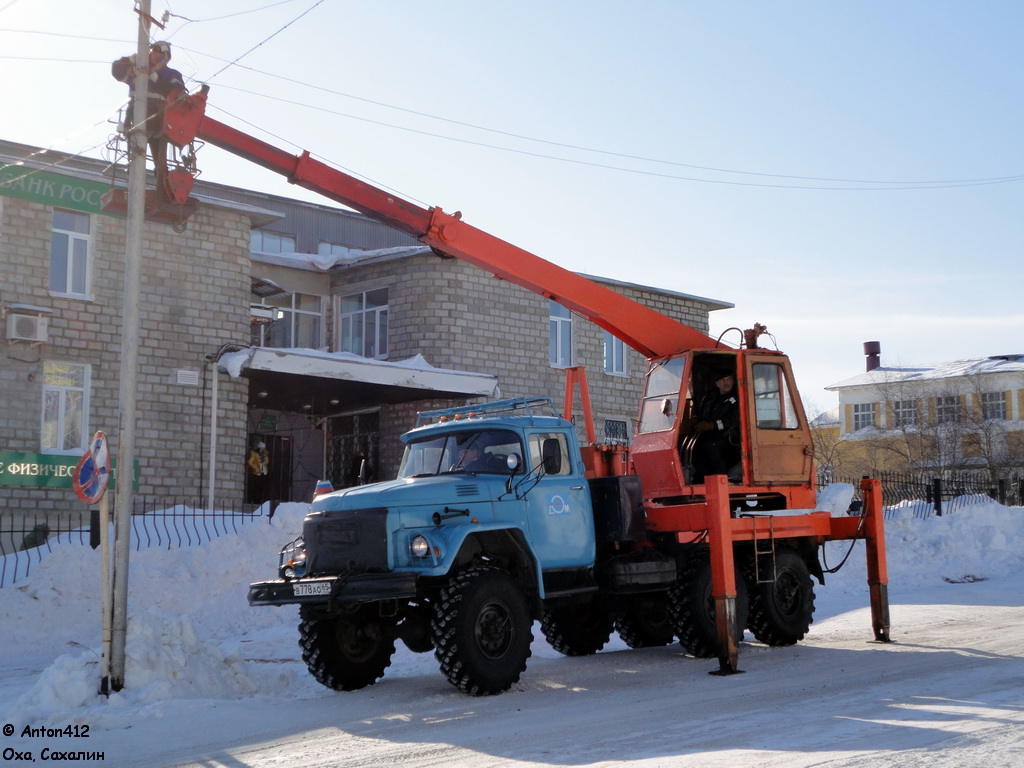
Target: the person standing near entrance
pixel 259 473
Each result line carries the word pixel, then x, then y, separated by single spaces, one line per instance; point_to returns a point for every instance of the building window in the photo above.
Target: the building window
pixel 863 416
pixel 904 414
pixel 65 404
pixel 993 406
pixel 333 249
pixel 300 325
pixel 614 355
pixel 270 242
pixel 947 409
pixel 363 323
pixel 559 336
pixel 615 431
pixel 69 253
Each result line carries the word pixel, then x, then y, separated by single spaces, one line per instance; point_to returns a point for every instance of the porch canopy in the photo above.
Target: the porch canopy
pixel 321 383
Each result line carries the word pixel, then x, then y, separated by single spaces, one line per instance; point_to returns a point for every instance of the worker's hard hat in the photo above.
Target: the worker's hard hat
pixel 163 47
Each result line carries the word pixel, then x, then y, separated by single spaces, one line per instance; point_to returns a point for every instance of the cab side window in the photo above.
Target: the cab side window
pixel 773 401
pixel 550 452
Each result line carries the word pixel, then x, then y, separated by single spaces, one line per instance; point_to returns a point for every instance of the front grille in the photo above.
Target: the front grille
pixel 348 542
pixel 467 489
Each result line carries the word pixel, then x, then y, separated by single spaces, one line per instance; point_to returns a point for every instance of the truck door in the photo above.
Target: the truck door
pixel 558 506
pixel 780 440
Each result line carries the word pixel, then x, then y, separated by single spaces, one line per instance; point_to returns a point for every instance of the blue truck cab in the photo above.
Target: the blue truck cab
pixel 490 524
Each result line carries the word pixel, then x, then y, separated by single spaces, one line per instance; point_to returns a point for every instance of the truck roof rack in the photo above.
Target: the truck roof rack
pixel 516 406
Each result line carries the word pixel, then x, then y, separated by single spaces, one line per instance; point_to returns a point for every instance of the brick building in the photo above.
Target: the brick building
pixel 313 329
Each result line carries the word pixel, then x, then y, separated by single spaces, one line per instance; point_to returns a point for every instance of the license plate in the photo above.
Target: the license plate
pixel 316 588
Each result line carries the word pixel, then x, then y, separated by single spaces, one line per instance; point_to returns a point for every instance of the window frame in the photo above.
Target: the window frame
pixel 287 303
pixel 865 416
pixel 904 414
pixel 67 285
pixel 615 355
pixel 277 241
pixel 989 400
pixel 561 336
pixel 61 392
pixel 948 409
pixel 380 314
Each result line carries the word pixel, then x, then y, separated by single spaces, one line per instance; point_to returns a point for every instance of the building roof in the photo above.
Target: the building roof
pixel 1013 363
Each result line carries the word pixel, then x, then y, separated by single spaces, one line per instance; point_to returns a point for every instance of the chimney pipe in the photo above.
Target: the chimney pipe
pixel 872 350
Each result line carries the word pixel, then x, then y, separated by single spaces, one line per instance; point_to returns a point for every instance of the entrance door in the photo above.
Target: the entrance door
pixel 354 439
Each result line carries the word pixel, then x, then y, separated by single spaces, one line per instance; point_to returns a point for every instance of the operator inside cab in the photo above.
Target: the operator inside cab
pixel 716 430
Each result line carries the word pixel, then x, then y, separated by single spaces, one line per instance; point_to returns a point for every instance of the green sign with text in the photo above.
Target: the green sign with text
pixel 51 188
pixel 44 470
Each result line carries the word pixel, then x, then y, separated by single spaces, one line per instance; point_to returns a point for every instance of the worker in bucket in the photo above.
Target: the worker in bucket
pixel 163 81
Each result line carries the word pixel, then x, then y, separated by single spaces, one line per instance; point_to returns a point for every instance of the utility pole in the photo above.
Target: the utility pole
pixel 128 397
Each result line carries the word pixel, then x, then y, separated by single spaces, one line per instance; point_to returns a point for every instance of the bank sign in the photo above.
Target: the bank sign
pixel 44 470
pixel 51 188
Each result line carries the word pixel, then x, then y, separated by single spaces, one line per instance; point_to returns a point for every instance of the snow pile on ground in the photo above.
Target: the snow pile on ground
pixel 193 636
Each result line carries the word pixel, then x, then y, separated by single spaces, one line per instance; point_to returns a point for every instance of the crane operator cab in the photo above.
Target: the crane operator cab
pixel 723 412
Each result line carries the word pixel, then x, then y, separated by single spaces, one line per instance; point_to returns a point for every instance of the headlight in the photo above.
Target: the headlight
pixel 293 560
pixel 419 547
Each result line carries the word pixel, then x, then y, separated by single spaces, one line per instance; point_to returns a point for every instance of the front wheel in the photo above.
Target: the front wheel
pixel 346 651
pixel 482 631
pixel 781 598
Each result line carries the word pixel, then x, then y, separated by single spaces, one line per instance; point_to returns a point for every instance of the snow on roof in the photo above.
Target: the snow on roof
pixel 346 258
pixel 1012 363
pixel 414 372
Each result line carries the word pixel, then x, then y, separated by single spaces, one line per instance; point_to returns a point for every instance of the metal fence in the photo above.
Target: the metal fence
pixel 942 493
pixel 156 522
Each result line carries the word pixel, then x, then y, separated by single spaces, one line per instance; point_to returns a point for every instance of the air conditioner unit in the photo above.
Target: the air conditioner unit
pixel 26 327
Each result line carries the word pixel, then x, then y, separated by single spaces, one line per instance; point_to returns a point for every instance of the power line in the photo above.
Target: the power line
pixel 893 186
pixel 822 183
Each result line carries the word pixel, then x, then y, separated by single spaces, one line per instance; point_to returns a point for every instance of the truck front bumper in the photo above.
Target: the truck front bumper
pixel 365 587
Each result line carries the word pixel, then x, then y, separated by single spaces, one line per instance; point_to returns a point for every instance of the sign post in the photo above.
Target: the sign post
pixel 90 481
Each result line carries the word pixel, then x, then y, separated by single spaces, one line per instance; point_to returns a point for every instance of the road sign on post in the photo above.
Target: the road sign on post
pixel 92 475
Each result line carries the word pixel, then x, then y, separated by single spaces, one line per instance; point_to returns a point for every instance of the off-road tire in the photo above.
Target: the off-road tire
pixel 781 610
pixel 578 630
pixel 692 607
pixel 347 651
pixel 646 623
pixel 482 631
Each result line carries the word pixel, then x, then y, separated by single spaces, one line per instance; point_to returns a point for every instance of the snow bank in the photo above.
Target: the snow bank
pixel 193 636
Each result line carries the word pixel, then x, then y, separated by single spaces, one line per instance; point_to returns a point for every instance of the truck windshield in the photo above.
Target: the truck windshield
pixel 472 451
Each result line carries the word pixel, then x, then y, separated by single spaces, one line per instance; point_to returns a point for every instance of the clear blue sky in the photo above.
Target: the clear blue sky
pixel 824 166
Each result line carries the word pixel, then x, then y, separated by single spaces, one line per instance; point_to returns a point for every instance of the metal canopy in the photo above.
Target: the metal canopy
pixel 319 383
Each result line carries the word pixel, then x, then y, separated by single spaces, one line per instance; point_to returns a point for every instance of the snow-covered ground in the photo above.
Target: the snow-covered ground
pixel 213 682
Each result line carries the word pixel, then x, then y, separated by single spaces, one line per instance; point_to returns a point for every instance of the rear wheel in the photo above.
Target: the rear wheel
pixel 646 623
pixel 782 609
pixel 577 630
pixel 692 607
pixel 345 651
pixel 482 631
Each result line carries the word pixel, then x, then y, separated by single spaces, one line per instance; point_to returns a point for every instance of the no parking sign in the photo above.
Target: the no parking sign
pixel 93 471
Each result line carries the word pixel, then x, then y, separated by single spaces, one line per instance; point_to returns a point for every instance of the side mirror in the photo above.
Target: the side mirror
pixel 666 407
